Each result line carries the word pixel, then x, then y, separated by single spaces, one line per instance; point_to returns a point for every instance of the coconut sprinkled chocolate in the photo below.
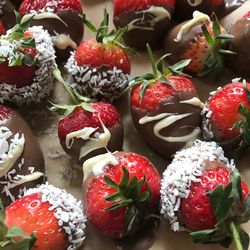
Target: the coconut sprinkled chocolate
pixel 187 166
pixel 67 210
pixel 100 83
pixel 42 82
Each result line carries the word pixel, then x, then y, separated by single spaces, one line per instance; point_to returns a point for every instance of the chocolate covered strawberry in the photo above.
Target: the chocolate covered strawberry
pixel 226 117
pixel 121 192
pixel 202 40
pixel 146 21
pixel 50 214
pixel 202 192
pixel 100 67
pixel 238 63
pixel 26 63
pixel 62 19
pixel 165 107
pixel 21 158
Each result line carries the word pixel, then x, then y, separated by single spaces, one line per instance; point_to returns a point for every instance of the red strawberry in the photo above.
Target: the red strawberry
pixel 101 126
pixel 118 200
pixel 203 192
pixel 147 21
pixel 52 215
pixel 49 5
pixel 200 40
pixel 100 67
pixel 226 117
pixel 163 96
pixel 2 28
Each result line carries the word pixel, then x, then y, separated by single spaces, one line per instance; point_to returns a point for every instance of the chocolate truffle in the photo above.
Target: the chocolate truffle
pixel 21 158
pixel 185 8
pixel 63 23
pixel 25 82
pixel 145 24
pixel 239 62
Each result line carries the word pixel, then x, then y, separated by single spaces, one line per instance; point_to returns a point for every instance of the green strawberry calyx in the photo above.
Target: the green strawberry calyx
pixel 104 36
pixel 129 195
pixel 219 42
pixel 160 72
pixel 13 238
pixel 18 44
pixel 230 212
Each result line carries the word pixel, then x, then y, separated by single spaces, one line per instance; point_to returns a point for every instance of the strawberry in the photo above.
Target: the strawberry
pixel 100 67
pixel 165 95
pixel 201 40
pixel 25 69
pixel 147 21
pixel 49 6
pixel 2 28
pixel 121 194
pixel 226 117
pixel 238 62
pixel 202 192
pixel 51 214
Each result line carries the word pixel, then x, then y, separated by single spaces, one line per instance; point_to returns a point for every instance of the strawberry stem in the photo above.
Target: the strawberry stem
pixel 236 236
pixel 152 60
pixel 57 74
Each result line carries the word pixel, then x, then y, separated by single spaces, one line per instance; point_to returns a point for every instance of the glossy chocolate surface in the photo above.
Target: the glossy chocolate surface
pixel 32 155
pixel 179 128
pixel 138 38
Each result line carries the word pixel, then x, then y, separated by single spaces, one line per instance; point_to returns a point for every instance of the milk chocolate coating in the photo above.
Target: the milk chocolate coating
pixel 240 62
pixel 73 29
pixel 115 144
pixel 138 38
pixel 32 155
pixel 179 128
pixel 177 48
pixel 184 11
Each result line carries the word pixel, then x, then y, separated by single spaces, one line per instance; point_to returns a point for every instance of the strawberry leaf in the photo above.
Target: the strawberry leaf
pixel 90 25
pixel 244 238
pixel 2 212
pixel 207 35
pixel 202 236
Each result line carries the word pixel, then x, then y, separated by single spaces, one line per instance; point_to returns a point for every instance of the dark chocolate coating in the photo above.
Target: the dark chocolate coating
pixel 164 148
pixel 177 48
pixel 16 3
pixel 184 11
pixel 8 16
pixel 138 38
pixel 32 155
pixel 115 144
pixel 74 29
pixel 240 62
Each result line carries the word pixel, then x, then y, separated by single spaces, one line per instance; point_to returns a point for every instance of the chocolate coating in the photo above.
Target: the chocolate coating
pixel 205 6
pixel 16 3
pixel 8 16
pixel 239 63
pixel 115 144
pixel 32 156
pixel 71 26
pixel 179 128
pixel 138 38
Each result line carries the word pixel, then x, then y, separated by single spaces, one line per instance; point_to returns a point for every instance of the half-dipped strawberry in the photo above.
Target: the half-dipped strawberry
pixel 121 192
pixel 202 192
pixel 165 108
pixel 52 215
pixel 226 117
pixel 21 158
pixel 62 19
pixel 239 62
pixel 201 40
pixel 100 67
pixel 146 21
pixel 26 63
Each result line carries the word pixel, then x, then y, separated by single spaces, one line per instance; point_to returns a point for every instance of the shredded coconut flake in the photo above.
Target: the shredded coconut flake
pixel 95 83
pixel 42 82
pixel 67 210
pixel 187 166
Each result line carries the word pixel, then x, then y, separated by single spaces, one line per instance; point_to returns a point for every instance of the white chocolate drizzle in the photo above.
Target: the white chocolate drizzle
pixel 97 164
pixel 198 17
pixel 194 2
pixel 195 101
pixel 62 41
pixel 99 141
pixel 158 14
